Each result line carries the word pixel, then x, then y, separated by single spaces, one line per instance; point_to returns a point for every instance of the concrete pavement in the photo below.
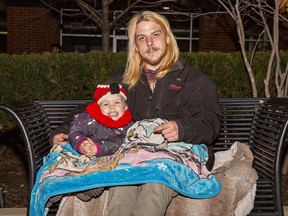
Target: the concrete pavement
pixel 22 211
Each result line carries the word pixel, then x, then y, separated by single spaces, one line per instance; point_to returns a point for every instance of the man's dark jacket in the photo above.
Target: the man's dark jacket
pixel 184 95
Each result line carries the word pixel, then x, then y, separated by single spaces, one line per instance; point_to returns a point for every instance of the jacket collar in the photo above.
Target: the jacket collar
pixel 175 71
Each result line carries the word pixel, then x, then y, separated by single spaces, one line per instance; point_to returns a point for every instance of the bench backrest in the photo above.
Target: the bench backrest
pixel 237 118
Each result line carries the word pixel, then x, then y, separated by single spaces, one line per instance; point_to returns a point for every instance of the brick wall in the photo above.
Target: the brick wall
pixel 30 30
pixel 218 33
pixel 55 31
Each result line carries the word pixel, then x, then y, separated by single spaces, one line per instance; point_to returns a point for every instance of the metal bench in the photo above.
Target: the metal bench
pixel 260 122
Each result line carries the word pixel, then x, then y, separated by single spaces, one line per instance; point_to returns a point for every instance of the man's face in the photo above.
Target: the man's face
pixel 113 106
pixel 151 43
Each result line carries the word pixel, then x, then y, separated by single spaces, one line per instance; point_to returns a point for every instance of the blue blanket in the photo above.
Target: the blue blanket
pixel 144 157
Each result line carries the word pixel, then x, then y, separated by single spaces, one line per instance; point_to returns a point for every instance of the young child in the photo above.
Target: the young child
pixel 101 129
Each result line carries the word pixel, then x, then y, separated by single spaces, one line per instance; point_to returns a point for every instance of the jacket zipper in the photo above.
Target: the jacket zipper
pixel 149 105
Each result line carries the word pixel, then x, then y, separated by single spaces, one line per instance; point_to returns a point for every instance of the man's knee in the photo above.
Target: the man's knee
pixel 121 200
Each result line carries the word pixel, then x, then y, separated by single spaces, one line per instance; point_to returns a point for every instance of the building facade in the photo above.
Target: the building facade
pixel 33 28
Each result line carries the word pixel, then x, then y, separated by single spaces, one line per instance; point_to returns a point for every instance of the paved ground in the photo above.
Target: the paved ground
pixel 22 211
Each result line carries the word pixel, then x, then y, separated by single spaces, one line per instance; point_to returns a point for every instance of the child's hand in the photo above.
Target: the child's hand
pixel 88 148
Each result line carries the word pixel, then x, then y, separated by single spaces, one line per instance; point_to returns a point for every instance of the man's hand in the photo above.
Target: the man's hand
pixel 60 139
pixel 169 130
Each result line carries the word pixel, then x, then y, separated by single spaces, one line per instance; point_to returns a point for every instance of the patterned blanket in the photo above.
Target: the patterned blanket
pixel 144 157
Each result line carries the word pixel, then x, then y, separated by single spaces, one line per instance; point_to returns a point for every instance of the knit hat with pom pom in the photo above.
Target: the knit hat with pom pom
pixel 103 91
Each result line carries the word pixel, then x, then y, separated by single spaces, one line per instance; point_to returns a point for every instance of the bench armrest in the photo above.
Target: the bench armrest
pixel 267 141
pixel 35 129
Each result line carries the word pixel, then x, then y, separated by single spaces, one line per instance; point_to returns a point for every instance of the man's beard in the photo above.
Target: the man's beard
pixel 154 62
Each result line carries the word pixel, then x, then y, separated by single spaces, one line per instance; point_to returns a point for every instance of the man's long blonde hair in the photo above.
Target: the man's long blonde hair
pixel 134 64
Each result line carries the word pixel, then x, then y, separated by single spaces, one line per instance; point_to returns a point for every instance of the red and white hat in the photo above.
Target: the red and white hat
pixel 103 91
pixel 94 110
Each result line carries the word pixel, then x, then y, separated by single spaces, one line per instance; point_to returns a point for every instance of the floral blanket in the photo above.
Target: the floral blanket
pixel 144 157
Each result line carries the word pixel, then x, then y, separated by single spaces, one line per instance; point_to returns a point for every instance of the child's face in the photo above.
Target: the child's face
pixel 113 106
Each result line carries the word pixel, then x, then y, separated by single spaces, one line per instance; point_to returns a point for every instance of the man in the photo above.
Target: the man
pixel 56 48
pixel 161 85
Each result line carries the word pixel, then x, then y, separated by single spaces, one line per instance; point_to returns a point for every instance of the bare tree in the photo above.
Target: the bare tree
pixel 99 12
pixel 265 14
